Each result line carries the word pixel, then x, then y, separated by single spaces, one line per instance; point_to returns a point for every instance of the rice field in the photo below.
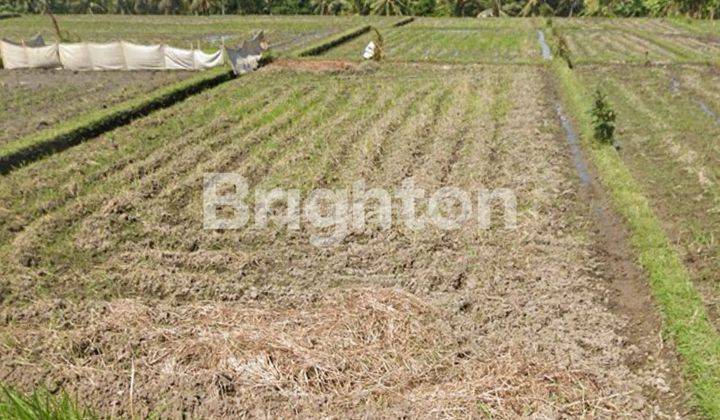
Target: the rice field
pixel 467 41
pixel 637 41
pixel 662 26
pixel 285 33
pixel 669 118
pixel 549 304
pixel 122 210
pixel 65 95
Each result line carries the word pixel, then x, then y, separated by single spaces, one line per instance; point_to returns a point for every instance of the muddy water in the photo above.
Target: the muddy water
pixel 544 47
pixel 675 88
pixel 578 159
pixel 572 139
pixel 709 112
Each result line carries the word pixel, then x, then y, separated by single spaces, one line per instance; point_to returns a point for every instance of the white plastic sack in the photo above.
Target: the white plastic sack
pixel 43 57
pixel 143 57
pixel 13 56
pixel 256 45
pixel 108 56
pixel 207 61
pixel 369 51
pixel 75 57
pixel 242 62
pixel 246 58
pixel 16 56
pixel 179 59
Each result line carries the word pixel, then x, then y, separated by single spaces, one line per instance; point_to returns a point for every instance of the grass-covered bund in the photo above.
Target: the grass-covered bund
pixel 685 316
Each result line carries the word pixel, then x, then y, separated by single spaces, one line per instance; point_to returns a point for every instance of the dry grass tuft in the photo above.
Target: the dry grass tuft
pixel 349 350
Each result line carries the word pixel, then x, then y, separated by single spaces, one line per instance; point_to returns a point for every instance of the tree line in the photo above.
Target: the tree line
pixel 691 8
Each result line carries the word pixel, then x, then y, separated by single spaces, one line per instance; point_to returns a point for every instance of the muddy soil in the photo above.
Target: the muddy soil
pixel 38 99
pixel 629 295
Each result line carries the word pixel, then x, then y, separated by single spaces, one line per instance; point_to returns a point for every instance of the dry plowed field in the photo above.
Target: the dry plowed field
pixel 598 298
pixel 109 278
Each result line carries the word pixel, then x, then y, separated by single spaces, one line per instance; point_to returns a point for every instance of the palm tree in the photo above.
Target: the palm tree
pixel 330 7
pixel 87 6
pixel 140 6
pixel 207 6
pixel 389 7
pixel 124 7
pixel 167 7
pixel 536 7
pixel 201 6
pixel 360 7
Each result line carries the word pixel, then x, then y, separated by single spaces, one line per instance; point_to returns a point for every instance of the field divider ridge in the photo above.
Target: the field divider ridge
pixel 404 21
pixel 333 41
pixel 685 319
pixel 87 126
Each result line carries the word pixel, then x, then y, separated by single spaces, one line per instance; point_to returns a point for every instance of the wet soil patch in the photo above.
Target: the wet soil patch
pixel 628 292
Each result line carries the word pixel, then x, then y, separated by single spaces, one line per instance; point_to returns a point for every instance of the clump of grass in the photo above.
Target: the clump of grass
pixel 603 118
pixel 562 49
pixel 379 45
pixel 41 405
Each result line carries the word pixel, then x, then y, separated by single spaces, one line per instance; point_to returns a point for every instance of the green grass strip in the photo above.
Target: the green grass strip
pixel 684 316
pixel 89 125
pixel 332 42
pixel 40 405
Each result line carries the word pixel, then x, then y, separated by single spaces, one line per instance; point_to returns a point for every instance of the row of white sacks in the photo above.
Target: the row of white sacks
pixel 109 56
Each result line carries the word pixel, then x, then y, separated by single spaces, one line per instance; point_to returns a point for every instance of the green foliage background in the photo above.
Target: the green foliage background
pixel 691 8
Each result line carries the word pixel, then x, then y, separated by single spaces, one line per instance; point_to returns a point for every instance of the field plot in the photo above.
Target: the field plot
pixel 636 41
pixel 666 26
pixel 108 275
pixel 475 23
pixel 700 26
pixel 445 40
pixel 63 95
pixel 669 120
pixel 283 32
